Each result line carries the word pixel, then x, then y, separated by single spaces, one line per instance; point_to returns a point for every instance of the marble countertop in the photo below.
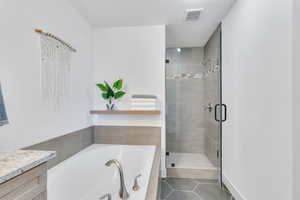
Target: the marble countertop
pixel 14 163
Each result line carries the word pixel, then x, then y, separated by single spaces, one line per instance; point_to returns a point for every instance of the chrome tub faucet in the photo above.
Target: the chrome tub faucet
pixel 124 195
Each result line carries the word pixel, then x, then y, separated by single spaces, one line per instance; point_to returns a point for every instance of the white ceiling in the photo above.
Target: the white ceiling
pixel 114 13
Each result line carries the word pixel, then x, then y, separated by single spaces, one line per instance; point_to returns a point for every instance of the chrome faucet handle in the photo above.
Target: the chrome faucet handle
pixel 136 186
pixel 106 197
pixel 209 107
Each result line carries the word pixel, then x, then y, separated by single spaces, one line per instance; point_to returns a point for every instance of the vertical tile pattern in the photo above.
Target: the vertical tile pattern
pixel 66 145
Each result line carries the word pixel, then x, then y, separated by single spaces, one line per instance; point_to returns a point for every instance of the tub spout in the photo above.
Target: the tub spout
pixel 123 191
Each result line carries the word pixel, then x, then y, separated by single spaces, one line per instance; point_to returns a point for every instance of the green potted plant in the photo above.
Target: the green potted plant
pixel 111 93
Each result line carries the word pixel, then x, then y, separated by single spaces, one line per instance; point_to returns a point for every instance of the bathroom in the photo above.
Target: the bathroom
pixel 142 100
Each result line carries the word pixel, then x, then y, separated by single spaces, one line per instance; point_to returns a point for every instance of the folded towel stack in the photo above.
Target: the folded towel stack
pixel 143 102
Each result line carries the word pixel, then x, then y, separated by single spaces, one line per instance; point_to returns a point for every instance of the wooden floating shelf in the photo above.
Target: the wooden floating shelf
pixel 125 112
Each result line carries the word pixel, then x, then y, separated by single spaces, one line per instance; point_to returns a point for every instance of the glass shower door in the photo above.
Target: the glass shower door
pixel 220 108
pixel 213 85
pixel 194 110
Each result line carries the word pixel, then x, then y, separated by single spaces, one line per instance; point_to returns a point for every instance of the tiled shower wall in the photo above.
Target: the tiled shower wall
pixel 211 83
pixel 192 83
pixel 185 101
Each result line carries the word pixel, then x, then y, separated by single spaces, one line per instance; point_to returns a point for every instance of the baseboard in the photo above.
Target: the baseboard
pixel 233 190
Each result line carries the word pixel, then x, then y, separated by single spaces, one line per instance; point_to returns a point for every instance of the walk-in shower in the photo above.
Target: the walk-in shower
pixel 193 91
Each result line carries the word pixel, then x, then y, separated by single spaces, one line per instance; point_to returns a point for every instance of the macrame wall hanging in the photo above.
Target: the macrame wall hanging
pixel 55 69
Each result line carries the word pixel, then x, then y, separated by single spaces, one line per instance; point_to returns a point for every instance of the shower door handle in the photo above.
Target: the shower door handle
pixel 225 112
pixel 216 112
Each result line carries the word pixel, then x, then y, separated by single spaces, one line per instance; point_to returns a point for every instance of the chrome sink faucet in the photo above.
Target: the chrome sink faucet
pixel 123 191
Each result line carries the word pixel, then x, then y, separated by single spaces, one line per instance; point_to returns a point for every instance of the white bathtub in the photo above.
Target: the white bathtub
pixel 84 176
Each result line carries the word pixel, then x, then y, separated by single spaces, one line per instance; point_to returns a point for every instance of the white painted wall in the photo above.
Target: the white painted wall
pixel 137 55
pixel 31 120
pixel 296 99
pixel 257 81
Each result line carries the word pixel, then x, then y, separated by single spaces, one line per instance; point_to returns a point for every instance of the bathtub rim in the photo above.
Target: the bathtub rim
pixel 153 184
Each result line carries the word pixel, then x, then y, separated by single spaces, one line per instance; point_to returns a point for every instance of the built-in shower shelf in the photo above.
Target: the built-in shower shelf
pixel 125 112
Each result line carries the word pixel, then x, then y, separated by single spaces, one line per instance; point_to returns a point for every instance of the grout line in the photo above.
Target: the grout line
pixel 169 194
pixel 169 184
pixel 193 193
pixel 196 186
pixel 197 195
pixel 172 189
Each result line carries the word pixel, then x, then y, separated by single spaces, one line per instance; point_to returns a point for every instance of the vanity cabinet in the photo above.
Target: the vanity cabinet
pixel 30 185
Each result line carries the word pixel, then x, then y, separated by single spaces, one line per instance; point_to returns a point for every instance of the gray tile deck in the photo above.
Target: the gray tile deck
pixel 211 192
pixel 182 195
pixel 191 189
pixel 182 183
pixel 165 189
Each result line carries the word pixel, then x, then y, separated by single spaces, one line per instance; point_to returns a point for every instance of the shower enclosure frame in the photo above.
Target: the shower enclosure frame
pixel 220 111
pixel 220 151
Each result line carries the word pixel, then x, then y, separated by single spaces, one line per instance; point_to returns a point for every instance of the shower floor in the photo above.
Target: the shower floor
pixel 190 165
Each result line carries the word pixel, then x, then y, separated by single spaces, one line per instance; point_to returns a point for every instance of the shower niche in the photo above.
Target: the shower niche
pixel 193 90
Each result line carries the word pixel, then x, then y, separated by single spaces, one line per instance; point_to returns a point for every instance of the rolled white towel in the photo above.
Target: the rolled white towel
pixel 143 100
pixel 143 104
pixel 143 108
pixel 143 96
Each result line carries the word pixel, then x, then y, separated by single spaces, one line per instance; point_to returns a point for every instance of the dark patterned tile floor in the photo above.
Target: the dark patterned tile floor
pixel 191 189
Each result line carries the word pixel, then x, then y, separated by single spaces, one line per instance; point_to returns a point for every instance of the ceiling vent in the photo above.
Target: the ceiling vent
pixel 193 14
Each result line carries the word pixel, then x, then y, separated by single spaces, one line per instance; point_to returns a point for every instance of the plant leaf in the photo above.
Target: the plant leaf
pixel 105 96
pixel 118 84
pixel 119 94
pixel 102 87
pixel 110 91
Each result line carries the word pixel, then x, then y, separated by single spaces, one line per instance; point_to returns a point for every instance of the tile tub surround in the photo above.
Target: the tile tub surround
pixel 17 162
pixel 66 145
pixel 191 189
pixel 72 143
pixel 128 135
pixel 153 187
